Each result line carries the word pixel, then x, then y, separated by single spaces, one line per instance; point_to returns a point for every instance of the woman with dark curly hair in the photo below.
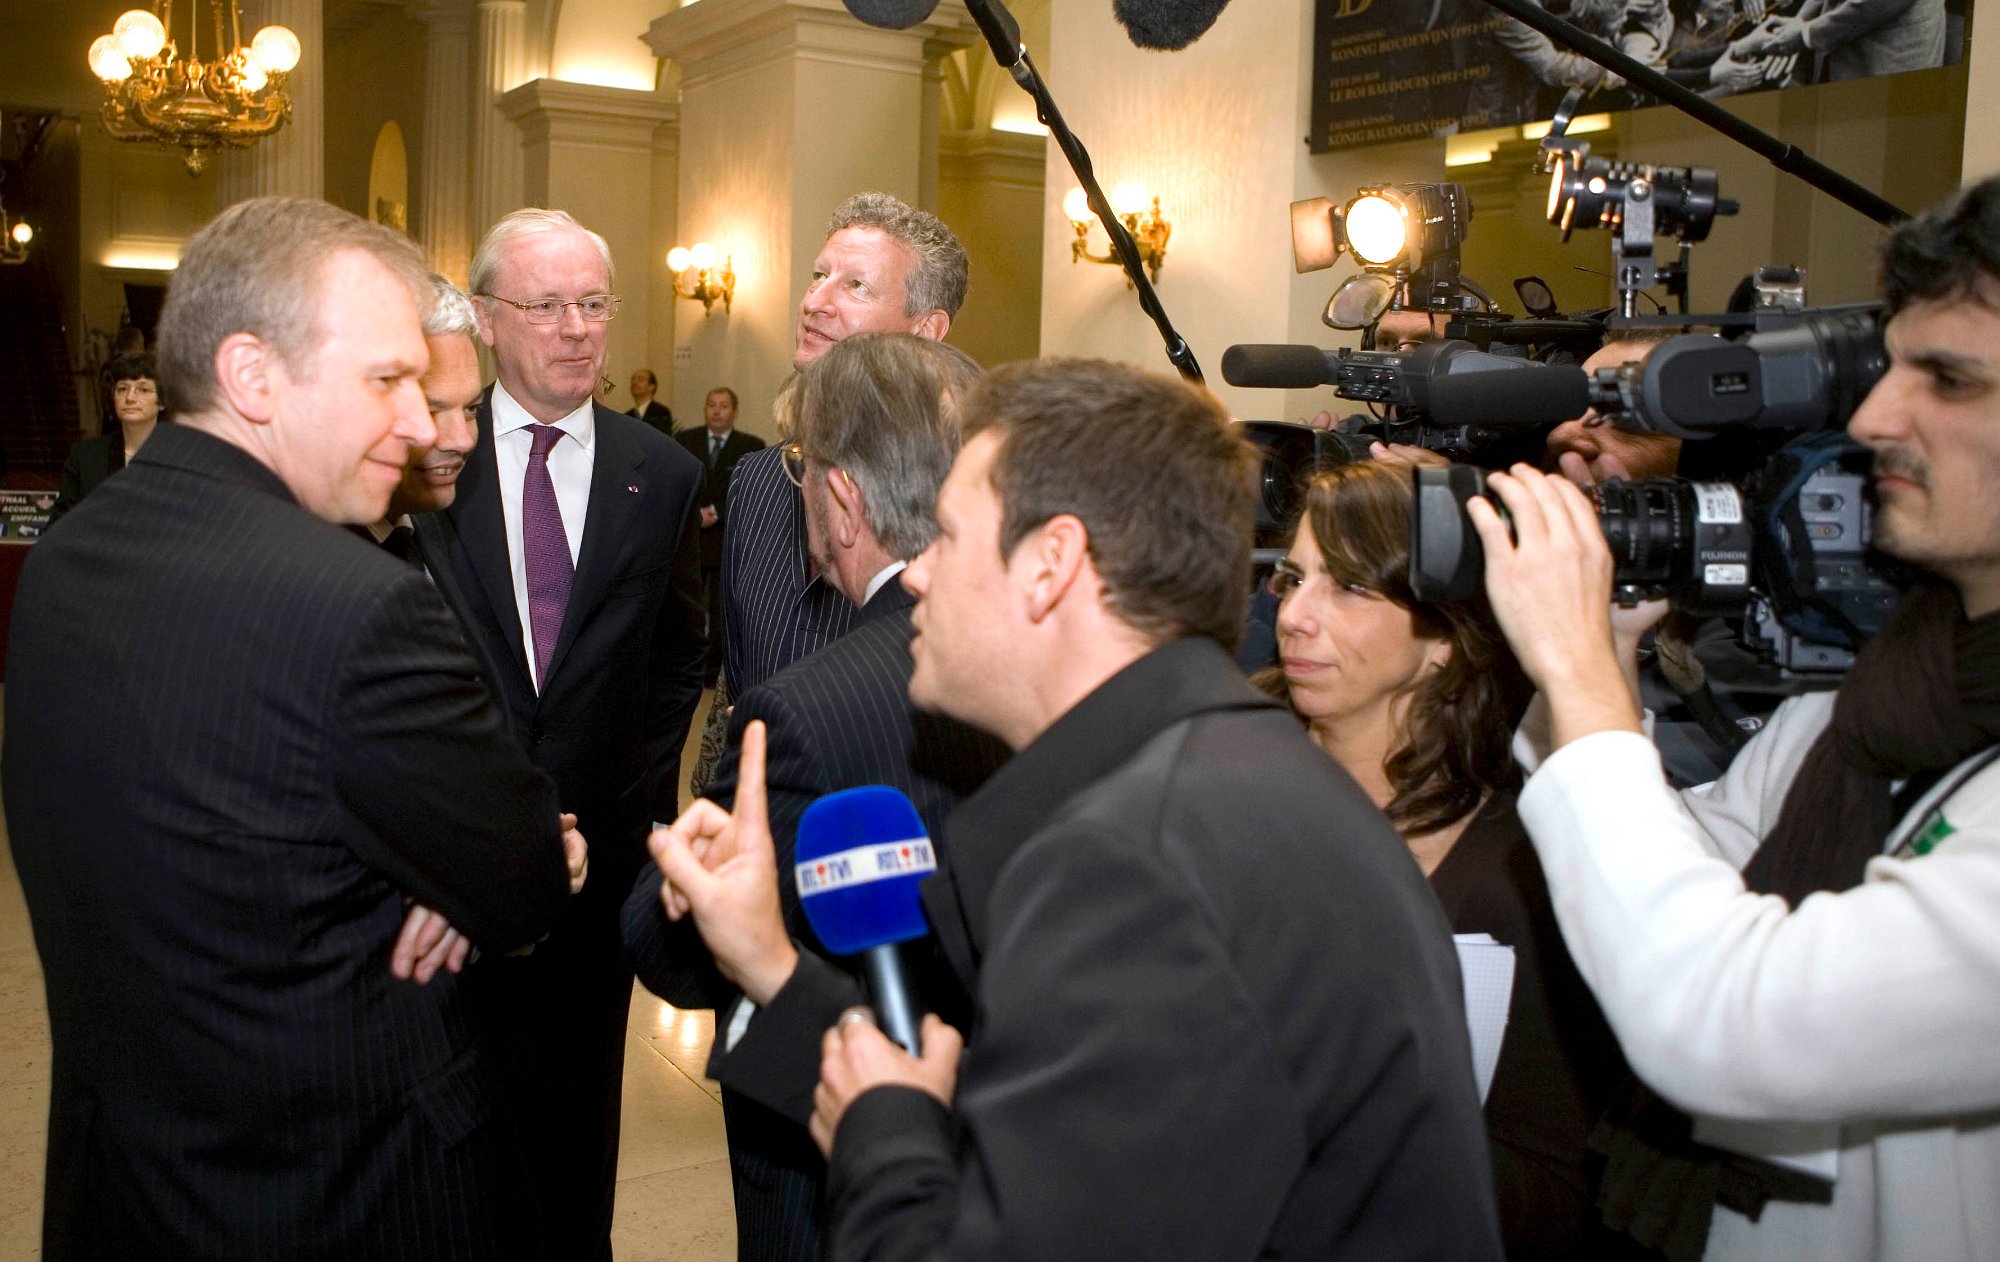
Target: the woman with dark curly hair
pixel 1419 703
pixel 136 401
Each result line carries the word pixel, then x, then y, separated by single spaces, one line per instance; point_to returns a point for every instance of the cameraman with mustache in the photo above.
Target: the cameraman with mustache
pixel 1810 944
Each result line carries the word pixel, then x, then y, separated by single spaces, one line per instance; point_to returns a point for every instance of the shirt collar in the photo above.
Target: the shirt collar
pixel 509 415
pixel 888 574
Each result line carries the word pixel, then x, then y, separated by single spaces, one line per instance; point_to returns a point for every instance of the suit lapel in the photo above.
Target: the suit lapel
pixel 607 523
pixel 481 525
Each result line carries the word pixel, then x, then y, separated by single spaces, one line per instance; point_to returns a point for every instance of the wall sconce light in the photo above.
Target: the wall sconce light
pixel 696 276
pixel 15 234
pixel 1128 201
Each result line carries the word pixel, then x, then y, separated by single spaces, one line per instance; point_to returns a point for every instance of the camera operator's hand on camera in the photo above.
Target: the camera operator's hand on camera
pixel 1549 581
pixel 1405 454
pixel 1577 469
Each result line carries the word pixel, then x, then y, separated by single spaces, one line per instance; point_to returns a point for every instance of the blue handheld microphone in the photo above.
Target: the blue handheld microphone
pixel 861 854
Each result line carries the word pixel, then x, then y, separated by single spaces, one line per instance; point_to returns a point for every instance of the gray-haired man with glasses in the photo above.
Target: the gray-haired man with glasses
pixel 569 553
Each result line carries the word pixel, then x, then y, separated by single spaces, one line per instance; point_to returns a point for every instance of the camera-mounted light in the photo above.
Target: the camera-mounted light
pixel 1637 201
pixel 1406 237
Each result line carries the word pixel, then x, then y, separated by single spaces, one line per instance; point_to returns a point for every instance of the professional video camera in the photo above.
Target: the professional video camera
pixel 1785 545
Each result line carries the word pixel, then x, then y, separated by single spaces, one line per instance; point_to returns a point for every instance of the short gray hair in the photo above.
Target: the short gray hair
pixel 522 223
pixel 449 311
pixel 937 282
pixel 259 268
pixel 884 407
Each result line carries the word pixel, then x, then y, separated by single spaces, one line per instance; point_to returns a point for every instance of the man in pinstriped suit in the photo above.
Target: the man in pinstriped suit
pixel 886 267
pixel 243 1067
pixel 877 426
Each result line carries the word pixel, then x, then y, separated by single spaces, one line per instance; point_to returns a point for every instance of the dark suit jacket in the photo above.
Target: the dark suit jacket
pixel 608 726
pixel 89 463
pixel 626 675
pixel 715 482
pixel 303 743
pixel 839 719
pixel 658 415
pixel 1219 1012
pixel 774 609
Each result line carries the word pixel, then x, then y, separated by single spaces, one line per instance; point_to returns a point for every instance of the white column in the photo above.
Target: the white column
pixel 446 227
pixel 292 162
pixel 496 144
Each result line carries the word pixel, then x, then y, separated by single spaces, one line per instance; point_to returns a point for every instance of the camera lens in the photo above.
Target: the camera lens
pixel 1688 541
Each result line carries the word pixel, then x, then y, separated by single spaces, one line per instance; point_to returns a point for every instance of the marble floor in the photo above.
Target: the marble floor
pixel 673 1168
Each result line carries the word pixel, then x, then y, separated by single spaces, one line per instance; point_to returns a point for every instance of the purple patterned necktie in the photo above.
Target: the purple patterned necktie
pixel 545 549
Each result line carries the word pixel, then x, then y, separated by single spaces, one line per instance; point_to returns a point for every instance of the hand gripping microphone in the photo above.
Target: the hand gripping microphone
pixel 861 855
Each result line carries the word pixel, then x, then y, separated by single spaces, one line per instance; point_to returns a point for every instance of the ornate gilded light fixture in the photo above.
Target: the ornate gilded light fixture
pixel 1128 201
pixel 155 92
pixel 696 276
pixel 15 234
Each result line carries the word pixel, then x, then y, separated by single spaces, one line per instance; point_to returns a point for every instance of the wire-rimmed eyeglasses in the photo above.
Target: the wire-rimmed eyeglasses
pixel 596 307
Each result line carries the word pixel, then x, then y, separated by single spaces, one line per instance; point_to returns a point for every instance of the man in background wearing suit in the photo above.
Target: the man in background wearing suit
pixel 718 446
pixel 878 422
pixel 569 556
pixel 242 1066
pixel 647 408
pixel 1219 1013
pixel 885 268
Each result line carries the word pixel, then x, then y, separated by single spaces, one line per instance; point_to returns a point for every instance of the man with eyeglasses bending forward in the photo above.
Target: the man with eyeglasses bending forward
pixel 570 557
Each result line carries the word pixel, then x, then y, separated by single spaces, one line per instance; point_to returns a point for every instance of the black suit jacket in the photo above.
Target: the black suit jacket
pixel 302 743
pixel 90 462
pixel 715 482
pixel 626 675
pixel 774 609
pixel 657 414
pixel 836 720
pixel 1219 1012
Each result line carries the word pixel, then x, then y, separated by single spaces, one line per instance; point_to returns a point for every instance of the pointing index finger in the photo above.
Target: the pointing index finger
pixel 751 811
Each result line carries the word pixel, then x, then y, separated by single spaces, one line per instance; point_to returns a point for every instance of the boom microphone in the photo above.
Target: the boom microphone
pixel 893 15
pixel 1453 381
pixel 861 856
pixel 1543 396
pixel 1170 25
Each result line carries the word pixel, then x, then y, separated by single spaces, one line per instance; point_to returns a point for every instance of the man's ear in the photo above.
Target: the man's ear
pixel 482 309
pixel 1056 555
pixel 248 372
pixel 933 326
pixel 847 520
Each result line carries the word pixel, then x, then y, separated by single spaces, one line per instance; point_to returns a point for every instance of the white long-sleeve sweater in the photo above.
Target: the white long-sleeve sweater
pixel 1876 1010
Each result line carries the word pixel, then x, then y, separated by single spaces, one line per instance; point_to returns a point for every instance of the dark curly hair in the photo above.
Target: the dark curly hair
pixel 1949 251
pixel 1461 717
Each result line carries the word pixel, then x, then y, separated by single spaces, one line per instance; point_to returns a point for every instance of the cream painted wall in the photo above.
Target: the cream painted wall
pixel 990 192
pixel 589 150
pixel 602 42
pixel 740 202
pixel 374 75
pixel 1982 144
pixel 1213 131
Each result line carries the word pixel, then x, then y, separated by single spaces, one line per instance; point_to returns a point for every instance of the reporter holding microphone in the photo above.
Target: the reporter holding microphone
pixel 1835 1004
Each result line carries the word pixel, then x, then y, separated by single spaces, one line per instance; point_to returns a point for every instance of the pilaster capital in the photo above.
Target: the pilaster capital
pixel 714 40
pixel 553 110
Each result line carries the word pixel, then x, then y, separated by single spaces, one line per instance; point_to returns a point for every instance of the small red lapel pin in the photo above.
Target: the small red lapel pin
pixel 633 489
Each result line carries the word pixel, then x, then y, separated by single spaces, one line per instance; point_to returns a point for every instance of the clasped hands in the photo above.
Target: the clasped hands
pixel 721 868
pixel 428 942
pixel 1775 38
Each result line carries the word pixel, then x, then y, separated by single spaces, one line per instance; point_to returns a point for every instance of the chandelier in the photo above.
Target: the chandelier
pixel 155 92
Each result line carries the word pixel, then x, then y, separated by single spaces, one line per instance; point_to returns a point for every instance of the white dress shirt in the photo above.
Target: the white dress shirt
pixel 883 578
pixel 570 462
